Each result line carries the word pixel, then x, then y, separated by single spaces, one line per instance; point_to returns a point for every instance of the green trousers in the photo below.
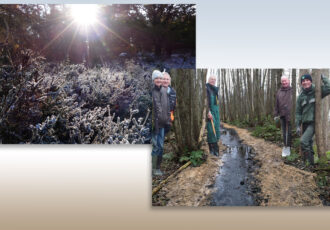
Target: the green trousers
pixel 306 140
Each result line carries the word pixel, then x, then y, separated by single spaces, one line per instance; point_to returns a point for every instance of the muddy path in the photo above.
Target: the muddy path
pixel 221 181
pixel 235 184
pixel 280 184
pixel 194 185
pixel 249 171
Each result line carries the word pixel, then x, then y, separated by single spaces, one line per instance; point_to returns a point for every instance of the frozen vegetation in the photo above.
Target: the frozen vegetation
pixel 64 103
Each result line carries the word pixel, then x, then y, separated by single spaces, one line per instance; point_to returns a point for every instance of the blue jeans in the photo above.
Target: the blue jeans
pixel 158 142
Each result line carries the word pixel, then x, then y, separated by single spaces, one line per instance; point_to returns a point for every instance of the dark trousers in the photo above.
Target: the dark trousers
pixel 306 139
pixel 286 130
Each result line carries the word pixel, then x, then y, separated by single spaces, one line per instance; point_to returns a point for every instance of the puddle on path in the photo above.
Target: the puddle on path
pixel 233 184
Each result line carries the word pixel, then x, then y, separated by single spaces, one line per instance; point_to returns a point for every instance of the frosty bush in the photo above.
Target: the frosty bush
pixel 62 103
pixel 94 127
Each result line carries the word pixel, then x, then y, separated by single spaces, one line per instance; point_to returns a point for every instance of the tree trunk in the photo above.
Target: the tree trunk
pixel 325 114
pixel 190 108
pixel 250 95
pixel 227 97
pixel 224 117
pixel 202 75
pixel 318 117
pixel 294 96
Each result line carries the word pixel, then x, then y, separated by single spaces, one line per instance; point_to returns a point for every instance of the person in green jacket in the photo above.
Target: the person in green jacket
pixel 305 114
pixel 213 117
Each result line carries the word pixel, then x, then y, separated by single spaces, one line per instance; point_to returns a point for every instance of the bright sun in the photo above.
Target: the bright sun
pixel 84 14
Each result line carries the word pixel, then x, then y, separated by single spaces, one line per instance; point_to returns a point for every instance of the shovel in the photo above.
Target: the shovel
pixel 286 150
pixel 284 154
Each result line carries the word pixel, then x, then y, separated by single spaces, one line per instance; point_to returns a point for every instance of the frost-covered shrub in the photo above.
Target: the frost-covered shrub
pixel 21 97
pixel 96 126
pixel 62 103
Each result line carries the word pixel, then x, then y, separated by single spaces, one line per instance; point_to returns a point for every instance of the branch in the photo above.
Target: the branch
pixel 155 190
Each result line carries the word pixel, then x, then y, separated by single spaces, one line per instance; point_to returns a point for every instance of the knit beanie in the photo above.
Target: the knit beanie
pixel 156 74
pixel 306 76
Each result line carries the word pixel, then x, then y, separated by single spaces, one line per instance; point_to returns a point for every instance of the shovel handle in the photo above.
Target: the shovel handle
pixel 213 128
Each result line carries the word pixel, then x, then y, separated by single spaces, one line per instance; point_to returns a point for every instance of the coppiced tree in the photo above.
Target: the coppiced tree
pixel 294 97
pixel 248 95
pixel 324 116
pixel 190 111
pixel 320 122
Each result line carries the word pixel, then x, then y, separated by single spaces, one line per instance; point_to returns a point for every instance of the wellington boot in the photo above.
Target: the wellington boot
pixel 304 156
pixel 310 158
pixel 211 148
pixel 216 149
pixel 157 172
pixel 158 163
pixel 154 163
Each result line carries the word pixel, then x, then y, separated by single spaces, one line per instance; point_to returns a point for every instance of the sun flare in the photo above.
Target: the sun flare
pixel 84 14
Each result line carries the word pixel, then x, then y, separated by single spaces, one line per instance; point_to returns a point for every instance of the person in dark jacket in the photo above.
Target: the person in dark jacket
pixel 283 112
pixel 305 114
pixel 213 117
pixel 172 97
pixel 160 119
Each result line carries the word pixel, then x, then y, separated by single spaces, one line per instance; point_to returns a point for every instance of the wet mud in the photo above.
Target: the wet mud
pixel 280 184
pixel 206 186
pixel 193 186
pixel 249 171
pixel 235 185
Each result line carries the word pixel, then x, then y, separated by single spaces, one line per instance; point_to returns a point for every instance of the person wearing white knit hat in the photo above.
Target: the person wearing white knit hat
pixel 156 74
pixel 160 119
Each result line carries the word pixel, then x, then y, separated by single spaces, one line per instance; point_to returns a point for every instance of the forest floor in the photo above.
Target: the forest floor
pixel 280 184
pixel 191 187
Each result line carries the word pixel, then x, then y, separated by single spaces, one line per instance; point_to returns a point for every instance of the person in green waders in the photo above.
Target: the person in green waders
pixel 213 117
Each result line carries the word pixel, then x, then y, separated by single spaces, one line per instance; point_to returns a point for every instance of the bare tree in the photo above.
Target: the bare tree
pixel 316 73
pixel 190 112
pixel 325 114
pixel 294 96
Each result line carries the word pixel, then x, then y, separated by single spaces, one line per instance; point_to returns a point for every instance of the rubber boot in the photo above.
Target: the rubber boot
pixel 304 156
pixel 211 148
pixel 310 158
pixel 154 163
pixel 216 149
pixel 159 161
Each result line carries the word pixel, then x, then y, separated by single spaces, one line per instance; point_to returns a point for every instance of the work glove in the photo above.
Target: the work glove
pixel 298 131
pixel 276 118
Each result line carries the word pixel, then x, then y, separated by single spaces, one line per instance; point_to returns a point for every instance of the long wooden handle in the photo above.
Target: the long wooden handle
pixel 155 190
pixel 213 128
